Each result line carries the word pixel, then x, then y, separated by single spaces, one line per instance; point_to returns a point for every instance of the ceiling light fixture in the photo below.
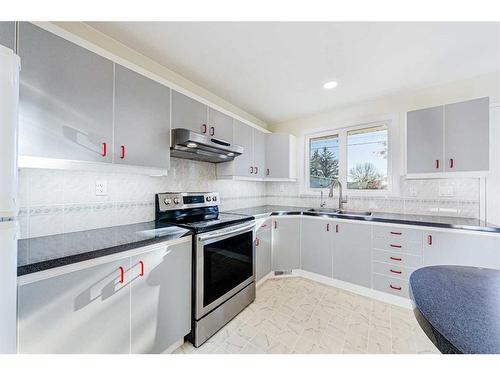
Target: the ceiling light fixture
pixel 330 85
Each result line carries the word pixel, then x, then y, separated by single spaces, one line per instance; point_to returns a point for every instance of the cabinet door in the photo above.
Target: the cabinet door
pixel 277 155
pixel 441 248
pixel 188 113
pixel 66 99
pixel 317 246
pixel 243 136
pixel 220 125
pixel 161 298
pixel 286 244
pixel 142 120
pixel 263 261
pixel 351 253
pixel 259 153
pixel 86 311
pixel 7 34
pixel 467 127
pixel 424 140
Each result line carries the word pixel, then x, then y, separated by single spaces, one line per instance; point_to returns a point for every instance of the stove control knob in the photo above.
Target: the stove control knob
pixel 209 199
pixel 214 198
pixel 167 201
pixel 176 200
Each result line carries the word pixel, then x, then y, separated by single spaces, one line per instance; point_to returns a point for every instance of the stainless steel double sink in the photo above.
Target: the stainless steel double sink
pixel 329 211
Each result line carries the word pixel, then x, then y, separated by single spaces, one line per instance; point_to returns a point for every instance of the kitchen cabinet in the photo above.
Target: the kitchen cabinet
pixel 259 153
pixel 449 138
pixel 85 311
pixel 467 135
pixel 351 252
pixel 286 243
pixel 66 99
pixel 140 303
pixel 424 146
pixel 142 120
pixel 188 113
pixel 160 298
pixel 281 156
pixel 7 34
pixel 466 249
pixel 316 250
pixel 263 261
pixel 220 125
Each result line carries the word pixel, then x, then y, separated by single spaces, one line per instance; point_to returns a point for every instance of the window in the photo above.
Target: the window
pixel 323 161
pixel 367 158
pixel 357 156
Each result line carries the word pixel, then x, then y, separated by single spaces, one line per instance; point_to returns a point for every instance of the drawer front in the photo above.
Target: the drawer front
pixel 392 270
pixel 395 233
pixel 391 285
pixel 265 226
pixel 398 245
pixel 405 260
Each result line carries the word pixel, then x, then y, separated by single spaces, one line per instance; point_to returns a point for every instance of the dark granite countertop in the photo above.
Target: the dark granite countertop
pixel 419 220
pixel 458 307
pixel 42 253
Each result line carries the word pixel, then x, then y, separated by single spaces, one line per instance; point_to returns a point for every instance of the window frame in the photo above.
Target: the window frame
pixel 341 132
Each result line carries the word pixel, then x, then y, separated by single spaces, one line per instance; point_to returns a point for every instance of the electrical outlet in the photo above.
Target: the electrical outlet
pixel 446 191
pixel 101 187
pixel 282 188
pixel 413 191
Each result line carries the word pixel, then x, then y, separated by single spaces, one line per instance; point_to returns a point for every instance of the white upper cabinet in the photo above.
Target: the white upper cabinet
pixel 220 125
pixel 281 156
pixel 142 120
pixel 188 113
pixel 7 34
pixel 259 153
pixel 449 138
pixel 66 99
pixel 467 128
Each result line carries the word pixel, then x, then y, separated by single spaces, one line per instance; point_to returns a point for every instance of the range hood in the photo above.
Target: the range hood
pixel 187 144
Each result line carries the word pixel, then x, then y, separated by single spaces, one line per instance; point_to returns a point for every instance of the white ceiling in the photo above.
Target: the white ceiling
pixel 276 71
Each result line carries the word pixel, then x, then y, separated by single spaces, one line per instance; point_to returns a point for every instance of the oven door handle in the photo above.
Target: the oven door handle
pixel 234 232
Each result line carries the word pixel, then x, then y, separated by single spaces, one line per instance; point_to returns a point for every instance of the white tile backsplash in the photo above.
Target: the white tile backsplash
pixel 55 201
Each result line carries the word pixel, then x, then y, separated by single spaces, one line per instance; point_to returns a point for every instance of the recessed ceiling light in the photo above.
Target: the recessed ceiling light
pixel 330 85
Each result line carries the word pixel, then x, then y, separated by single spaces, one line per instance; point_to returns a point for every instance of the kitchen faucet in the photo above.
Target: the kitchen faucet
pixel 342 199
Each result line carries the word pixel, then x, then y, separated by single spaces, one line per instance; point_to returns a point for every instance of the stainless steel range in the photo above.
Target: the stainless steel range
pixel 223 258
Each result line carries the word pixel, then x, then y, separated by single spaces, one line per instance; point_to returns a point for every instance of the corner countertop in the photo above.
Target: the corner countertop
pixel 382 217
pixel 458 307
pixel 42 253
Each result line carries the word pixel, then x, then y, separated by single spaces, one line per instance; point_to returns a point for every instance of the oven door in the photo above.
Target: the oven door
pixel 225 264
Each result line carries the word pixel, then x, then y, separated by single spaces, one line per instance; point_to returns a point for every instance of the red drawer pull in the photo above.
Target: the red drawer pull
pixel 328 227
pixel 257 242
pixel 275 224
pixel 256 170
pixel 263 226
pixel 212 131
pixel 394 287
pixel 336 228
pixel 122 275
pixel 397 233
pixel 104 149
pixel 204 128
pixel 141 272
pixel 452 163
pixel 251 170
pixel 122 154
pixel 396 246
pixel 394 258
pixel 267 171
pixel 437 164
pixel 429 239
pixel 397 272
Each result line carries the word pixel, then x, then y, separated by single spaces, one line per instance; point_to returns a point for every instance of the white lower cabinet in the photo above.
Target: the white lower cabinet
pixel 263 260
pixel 351 253
pixel 317 245
pixel 286 243
pixel 138 304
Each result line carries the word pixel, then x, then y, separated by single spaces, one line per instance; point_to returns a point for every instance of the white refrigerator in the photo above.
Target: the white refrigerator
pixel 9 100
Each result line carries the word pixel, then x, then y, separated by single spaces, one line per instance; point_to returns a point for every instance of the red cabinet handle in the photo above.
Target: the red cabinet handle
pixel 328 227
pixel 437 164
pixel 397 259
pixel 397 233
pixel 141 271
pixel 275 224
pixel 336 228
pixel 122 154
pixel 263 226
pixel 251 170
pixel 429 239
pixel 256 170
pixel 395 287
pixel 452 162
pixel 122 275
pixel 267 171
pixel 397 272
pixel 212 131
pixel 104 149
pixel 257 242
pixel 204 128
pixel 396 246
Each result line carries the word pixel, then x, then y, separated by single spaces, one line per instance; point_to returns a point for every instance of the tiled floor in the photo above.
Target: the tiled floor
pixel 297 315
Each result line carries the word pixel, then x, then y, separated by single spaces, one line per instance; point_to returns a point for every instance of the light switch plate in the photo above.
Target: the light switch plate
pixel 101 187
